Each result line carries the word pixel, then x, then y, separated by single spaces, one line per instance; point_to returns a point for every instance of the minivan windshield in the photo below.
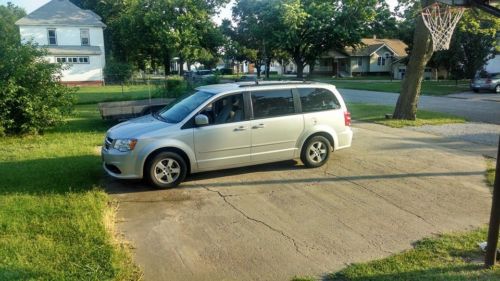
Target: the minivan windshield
pixel 483 74
pixel 176 111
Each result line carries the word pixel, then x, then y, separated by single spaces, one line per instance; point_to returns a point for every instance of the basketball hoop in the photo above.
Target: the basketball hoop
pixel 441 19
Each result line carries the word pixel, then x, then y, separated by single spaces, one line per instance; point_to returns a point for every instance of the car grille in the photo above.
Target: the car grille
pixel 107 143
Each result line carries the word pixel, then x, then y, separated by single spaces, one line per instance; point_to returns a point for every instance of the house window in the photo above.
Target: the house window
pixel 51 33
pixel 84 37
pixel 73 60
pixel 360 61
pixel 381 61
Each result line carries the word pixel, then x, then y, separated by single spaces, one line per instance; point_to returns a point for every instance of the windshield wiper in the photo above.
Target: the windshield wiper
pixel 158 116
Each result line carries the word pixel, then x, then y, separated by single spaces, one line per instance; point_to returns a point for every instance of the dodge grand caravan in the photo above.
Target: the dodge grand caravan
pixel 230 125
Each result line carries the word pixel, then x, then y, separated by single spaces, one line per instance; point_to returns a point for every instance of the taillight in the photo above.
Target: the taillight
pixel 347 118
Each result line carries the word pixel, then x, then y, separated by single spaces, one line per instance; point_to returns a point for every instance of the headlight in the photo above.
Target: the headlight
pixel 125 144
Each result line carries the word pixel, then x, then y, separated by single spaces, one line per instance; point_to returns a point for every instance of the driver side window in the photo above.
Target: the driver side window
pixel 227 109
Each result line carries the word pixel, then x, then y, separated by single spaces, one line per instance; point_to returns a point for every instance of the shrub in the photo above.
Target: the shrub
pixel 117 72
pixel 31 96
pixel 172 87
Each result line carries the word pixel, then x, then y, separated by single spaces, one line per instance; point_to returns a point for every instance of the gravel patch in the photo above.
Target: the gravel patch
pixel 481 133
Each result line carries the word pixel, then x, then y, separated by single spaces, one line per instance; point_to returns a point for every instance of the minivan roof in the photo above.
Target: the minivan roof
pixel 219 88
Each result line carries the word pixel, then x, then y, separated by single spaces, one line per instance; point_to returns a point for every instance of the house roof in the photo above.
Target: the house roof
pixel 61 12
pixel 369 46
pixel 334 54
pixel 73 50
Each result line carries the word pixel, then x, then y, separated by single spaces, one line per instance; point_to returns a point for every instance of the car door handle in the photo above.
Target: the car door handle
pixel 260 126
pixel 240 128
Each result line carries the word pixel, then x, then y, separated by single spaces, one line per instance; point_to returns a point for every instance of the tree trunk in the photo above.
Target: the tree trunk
pixel 406 107
pixel 300 67
pixel 166 64
pixel 181 67
pixel 268 67
pixel 311 67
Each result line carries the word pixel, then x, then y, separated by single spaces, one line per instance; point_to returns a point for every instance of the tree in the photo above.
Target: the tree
pixel 310 27
pixel 255 30
pixel 385 24
pixel 472 44
pixel 406 106
pixel 31 97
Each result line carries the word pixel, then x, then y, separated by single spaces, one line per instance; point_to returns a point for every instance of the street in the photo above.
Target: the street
pixel 473 109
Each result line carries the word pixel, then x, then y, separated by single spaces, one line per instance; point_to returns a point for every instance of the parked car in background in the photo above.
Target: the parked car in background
pixel 230 125
pixel 486 81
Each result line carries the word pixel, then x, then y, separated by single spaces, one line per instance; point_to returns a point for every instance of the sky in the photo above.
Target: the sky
pixel 31 5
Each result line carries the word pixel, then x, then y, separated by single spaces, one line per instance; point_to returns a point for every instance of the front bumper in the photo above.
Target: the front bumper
pixel 121 165
pixel 482 87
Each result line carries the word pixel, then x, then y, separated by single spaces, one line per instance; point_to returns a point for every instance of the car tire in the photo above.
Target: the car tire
pixel 497 89
pixel 166 170
pixel 315 152
pixel 475 90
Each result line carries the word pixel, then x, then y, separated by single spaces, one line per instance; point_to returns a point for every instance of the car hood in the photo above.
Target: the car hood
pixel 134 128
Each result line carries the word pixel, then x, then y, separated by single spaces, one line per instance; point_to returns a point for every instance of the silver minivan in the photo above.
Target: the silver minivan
pixel 230 125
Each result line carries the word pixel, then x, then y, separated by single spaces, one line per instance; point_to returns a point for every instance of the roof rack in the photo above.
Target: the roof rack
pixel 273 83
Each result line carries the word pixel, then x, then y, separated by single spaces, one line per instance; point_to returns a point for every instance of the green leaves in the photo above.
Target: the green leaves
pixel 31 97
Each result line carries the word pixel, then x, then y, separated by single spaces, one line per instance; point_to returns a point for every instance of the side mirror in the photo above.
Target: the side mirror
pixel 201 120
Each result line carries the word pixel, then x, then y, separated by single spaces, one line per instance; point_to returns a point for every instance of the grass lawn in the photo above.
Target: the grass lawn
pixel 431 88
pixel 55 218
pixel 376 113
pixel 450 257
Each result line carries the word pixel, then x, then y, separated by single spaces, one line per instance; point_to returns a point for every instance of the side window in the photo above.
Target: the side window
pixel 84 36
pixel 272 103
pixel 317 99
pixel 52 37
pixel 227 109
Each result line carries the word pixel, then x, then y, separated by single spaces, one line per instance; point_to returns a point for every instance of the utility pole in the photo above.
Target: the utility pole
pixel 491 248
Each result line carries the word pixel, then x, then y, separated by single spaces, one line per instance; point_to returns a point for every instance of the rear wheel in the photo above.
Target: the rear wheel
pixel 166 169
pixel 315 152
pixel 497 89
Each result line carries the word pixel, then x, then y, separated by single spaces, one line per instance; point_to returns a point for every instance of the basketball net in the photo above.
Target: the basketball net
pixel 441 20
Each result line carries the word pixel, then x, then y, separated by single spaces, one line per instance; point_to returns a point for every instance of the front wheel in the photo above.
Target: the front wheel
pixel 166 169
pixel 315 152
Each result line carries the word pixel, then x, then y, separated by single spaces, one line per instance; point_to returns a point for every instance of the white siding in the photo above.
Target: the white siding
pixel 356 68
pixel 374 67
pixel 70 36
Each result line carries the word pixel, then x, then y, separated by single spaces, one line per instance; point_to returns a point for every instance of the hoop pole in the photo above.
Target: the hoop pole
pixel 491 246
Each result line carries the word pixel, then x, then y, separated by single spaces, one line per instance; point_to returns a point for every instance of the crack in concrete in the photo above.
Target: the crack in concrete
pixel 383 198
pixel 288 237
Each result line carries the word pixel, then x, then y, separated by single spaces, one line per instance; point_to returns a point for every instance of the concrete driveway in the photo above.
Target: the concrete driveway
pixel 272 222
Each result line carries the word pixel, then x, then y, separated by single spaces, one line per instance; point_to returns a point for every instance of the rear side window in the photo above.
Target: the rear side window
pixel 272 103
pixel 317 99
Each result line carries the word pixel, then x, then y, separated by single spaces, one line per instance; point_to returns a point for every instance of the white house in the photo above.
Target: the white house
pixel 71 36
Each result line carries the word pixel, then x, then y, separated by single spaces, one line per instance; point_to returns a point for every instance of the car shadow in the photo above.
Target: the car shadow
pixel 117 186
